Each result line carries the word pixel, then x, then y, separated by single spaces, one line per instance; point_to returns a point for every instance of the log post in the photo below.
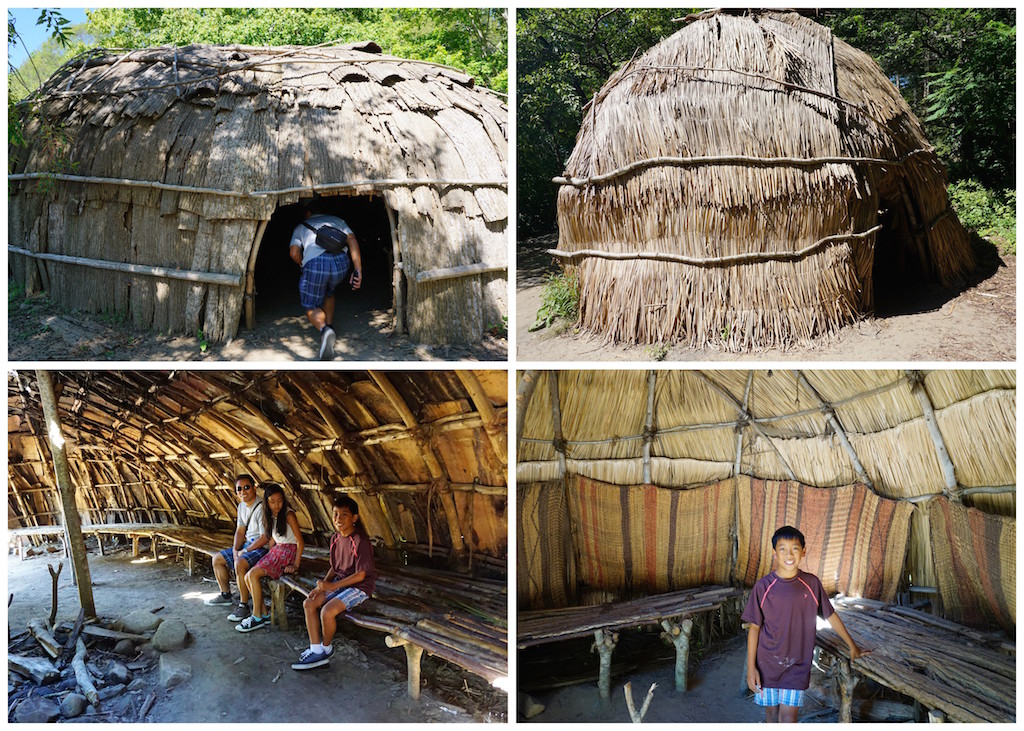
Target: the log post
pixel 916 381
pixel 679 635
pixel 135 546
pixel 556 419
pixel 649 425
pixel 847 683
pixel 413 654
pixel 72 520
pixel 604 644
pixel 278 615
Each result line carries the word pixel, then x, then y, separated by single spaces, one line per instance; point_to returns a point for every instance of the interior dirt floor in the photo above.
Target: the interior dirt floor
pixel 39 331
pixel 978 323
pixel 241 678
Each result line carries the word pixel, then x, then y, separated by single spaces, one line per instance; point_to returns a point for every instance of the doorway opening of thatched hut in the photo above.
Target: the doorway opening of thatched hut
pixel 275 293
pixel 901 259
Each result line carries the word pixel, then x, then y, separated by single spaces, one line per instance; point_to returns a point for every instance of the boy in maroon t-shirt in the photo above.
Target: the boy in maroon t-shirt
pixel 782 613
pixel 349 582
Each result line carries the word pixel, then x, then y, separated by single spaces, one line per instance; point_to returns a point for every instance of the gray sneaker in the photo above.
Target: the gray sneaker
pixel 241 612
pixel 327 343
pixel 221 600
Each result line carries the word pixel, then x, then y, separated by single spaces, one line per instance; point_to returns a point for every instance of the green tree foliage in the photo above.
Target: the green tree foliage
pixel 472 39
pixel 955 66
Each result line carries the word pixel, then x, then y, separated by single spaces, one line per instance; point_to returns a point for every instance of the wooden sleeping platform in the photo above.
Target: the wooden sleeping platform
pixel 459 619
pixel 671 610
pixel 958 673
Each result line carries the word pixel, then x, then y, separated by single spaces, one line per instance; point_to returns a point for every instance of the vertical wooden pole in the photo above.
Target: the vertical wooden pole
pixel 556 419
pixel 396 284
pixel 649 426
pixel 72 520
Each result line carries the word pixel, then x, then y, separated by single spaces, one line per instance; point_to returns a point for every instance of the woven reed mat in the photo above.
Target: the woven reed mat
pixel 545 575
pixel 651 539
pixel 856 541
pixel 975 558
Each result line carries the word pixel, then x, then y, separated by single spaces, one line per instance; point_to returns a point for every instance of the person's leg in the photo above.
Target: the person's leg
pixel 256 588
pixel 241 569
pixel 328 310
pixel 329 619
pixel 771 714
pixel 317 318
pixel 788 714
pixel 311 608
pixel 220 570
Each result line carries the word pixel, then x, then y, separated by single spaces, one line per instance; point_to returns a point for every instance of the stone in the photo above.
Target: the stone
pixel 137 684
pixel 125 648
pixel 111 691
pixel 170 635
pixel 36 710
pixel 173 671
pixel 118 672
pixel 140 621
pixel 73 705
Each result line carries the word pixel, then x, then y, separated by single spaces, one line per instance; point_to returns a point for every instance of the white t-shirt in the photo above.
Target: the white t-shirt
pixel 251 518
pixel 306 239
pixel 289 534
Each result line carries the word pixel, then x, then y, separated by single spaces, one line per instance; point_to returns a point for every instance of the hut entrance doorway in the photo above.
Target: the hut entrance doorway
pixel 901 260
pixel 276 276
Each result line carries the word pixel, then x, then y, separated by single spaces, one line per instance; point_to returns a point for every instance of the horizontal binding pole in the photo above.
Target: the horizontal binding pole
pixel 157 185
pixel 465 270
pixel 751 258
pixel 228 280
pixel 727 160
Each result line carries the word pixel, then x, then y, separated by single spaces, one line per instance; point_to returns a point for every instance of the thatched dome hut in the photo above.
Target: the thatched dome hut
pixel 751 181
pixel 424 454
pixel 634 483
pixel 166 186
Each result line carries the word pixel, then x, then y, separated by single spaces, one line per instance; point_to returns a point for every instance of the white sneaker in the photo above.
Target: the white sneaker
pixel 327 344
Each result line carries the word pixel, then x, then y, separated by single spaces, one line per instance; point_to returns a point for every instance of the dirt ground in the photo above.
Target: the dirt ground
pixel 239 677
pixel 978 323
pixel 39 331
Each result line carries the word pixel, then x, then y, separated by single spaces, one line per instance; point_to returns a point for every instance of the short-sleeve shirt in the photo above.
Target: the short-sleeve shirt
pixel 786 610
pixel 251 518
pixel 289 534
pixel 351 554
pixel 306 239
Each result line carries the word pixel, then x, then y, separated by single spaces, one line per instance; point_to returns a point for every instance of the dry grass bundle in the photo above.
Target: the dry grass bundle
pixel 736 171
pixel 976 432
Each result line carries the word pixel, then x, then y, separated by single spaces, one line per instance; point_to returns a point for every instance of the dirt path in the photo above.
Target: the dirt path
pixel 977 324
pixel 233 674
pixel 37 330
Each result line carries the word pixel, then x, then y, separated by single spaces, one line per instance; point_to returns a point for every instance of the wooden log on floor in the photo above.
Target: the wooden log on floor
pixel 82 676
pixel 679 634
pixel 40 669
pixel 604 644
pixel 413 656
pixel 70 645
pixel 42 634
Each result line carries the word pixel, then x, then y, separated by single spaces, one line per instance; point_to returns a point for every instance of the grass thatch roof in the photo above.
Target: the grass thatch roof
pixel 423 454
pixel 607 454
pixel 175 158
pixel 726 185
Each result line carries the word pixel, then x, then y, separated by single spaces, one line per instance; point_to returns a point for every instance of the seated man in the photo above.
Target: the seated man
pixel 323 271
pixel 247 548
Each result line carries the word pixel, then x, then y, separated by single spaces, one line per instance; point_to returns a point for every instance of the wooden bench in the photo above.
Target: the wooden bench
pixel 458 619
pixel 962 674
pixel 673 611
pixel 20 536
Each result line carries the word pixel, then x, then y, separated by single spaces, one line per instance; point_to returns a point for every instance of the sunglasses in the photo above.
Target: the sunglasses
pixel 242 488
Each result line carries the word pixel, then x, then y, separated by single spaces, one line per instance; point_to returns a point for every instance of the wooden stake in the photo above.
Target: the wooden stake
pixel 604 643
pixel 628 691
pixel 679 636
pixel 54 575
pixel 72 521
pixel 413 655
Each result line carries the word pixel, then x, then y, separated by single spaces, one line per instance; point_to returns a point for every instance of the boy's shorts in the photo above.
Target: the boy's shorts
pixel 320 277
pixel 250 557
pixel 769 697
pixel 350 595
pixel 280 556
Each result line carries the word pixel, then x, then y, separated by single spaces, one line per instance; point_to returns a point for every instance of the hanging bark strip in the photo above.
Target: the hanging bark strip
pixel 72 521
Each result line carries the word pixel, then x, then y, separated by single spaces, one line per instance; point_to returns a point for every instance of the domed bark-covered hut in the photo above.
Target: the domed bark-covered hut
pixel 634 485
pixel 169 184
pixel 749 182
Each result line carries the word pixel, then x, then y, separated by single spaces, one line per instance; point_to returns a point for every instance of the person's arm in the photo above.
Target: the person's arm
pixel 840 629
pixel 295 252
pixel 357 261
pixel 753 676
pixel 259 542
pixel 350 580
pixel 293 522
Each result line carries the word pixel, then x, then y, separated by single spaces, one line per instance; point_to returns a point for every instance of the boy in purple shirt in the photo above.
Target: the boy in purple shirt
pixel 782 613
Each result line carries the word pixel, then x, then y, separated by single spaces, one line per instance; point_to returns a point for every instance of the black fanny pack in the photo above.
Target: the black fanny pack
pixel 329 238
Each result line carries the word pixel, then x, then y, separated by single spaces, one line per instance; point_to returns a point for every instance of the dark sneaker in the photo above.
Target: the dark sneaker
pixel 221 600
pixel 252 622
pixel 327 344
pixel 310 659
pixel 241 612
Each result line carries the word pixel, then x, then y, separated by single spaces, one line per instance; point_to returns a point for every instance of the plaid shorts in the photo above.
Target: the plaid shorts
pixel 779 697
pixel 281 555
pixel 250 557
pixel 350 595
pixel 320 277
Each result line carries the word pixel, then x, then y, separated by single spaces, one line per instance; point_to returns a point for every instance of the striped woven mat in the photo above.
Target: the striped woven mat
pixel 650 539
pixel 545 575
pixel 975 558
pixel 856 541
